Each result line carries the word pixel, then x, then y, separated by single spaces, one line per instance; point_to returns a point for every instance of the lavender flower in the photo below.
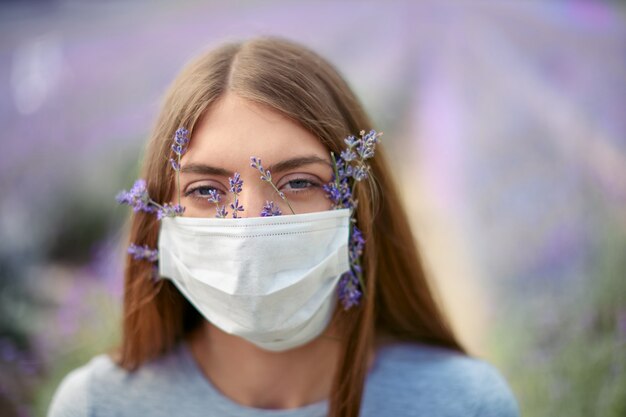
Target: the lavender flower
pixel 339 190
pixel 214 197
pixel 349 293
pixel 221 212
pixel 143 253
pixel 270 209
pixel 351 141
pixel 266 176
pixel 348 155
pixel 235 207
pixel 351 168
pixel 174 164
pixel 236 185
pixel 181 141
pixel 357 244
pixel 170 210
pixel 360 173
pixel 137 197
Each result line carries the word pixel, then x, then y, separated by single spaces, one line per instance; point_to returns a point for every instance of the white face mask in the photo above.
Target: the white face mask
pixel 269 280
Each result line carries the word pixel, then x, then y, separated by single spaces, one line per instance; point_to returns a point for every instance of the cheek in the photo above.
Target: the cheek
pixel 191 211
pixel 317 202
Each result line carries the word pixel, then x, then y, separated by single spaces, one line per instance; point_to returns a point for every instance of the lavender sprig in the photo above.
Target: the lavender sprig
pixel 170 210
pixel 349 292
pixel 181 141
pixel 139 199
pixel 214 197
pixel 266 176
pixel 349 169
pixel 143 253
pixel 236 185
pixel 270 209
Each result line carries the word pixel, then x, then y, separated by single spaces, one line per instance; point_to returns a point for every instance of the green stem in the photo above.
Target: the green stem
pixel 178 179
pixel 281 195
pixel 332 155
pixel 156 204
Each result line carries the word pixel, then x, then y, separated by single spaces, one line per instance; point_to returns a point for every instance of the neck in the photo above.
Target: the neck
pixel 258 378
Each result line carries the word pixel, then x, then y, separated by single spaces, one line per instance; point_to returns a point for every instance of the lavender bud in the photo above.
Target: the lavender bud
pixel 270 209
pixel 143 253
pixel 236 207
pixel 236 183
pixel 220 212
pixel 214 196
pixel 170 210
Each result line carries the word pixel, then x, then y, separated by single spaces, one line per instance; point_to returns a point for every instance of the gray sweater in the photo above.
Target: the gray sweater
pixel 405 380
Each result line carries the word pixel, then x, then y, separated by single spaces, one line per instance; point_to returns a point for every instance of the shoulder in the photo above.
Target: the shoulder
pixel 438 381
pixel 101 387
pixel 72 397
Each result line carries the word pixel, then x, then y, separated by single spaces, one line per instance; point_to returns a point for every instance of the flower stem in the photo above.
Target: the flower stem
pixel 332 155
pixel 281 195
pixel 178 179
pixel 156 204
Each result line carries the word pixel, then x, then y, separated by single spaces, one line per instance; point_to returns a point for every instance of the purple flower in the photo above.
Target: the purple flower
pixel 214 196
pixel 266 175
pixel 170 210
pixel 366 146
pixel 178 150
pixel 371 138
pixel 181 136
pixel 350 141
pixel 220 212
pixel 340 194
pixel 357 243
pixel 348 288
pixel 143 253
pixel 270 209
pixel 174 164
pixel 236 183
pixel 350 168
pixel 360 173
pixel 255 162
pixel 333 193
pixel 137 197
pixel 348 155
pixel 181 140
pixel 236 207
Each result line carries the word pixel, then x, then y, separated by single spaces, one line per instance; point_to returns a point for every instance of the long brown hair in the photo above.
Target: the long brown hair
pixel 295 81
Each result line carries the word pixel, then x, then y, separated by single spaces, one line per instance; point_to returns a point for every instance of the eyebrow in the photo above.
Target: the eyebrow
pixel 204 169
pixel 293 163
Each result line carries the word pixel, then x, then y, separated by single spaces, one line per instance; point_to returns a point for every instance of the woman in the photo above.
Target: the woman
pixel 191 346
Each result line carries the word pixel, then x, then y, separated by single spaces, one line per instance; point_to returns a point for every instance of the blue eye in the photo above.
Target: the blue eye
pixel 299 184
pixel 201 191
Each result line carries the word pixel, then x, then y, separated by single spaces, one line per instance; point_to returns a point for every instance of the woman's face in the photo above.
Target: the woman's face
pixel 232 131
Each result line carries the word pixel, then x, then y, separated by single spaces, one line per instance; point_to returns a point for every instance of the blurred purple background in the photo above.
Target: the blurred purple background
pixel 506 120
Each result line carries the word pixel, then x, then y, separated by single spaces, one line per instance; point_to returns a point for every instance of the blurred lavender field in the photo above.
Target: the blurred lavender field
pixel 506 121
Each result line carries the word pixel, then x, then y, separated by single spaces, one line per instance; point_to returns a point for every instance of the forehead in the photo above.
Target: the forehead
pixel 234 129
